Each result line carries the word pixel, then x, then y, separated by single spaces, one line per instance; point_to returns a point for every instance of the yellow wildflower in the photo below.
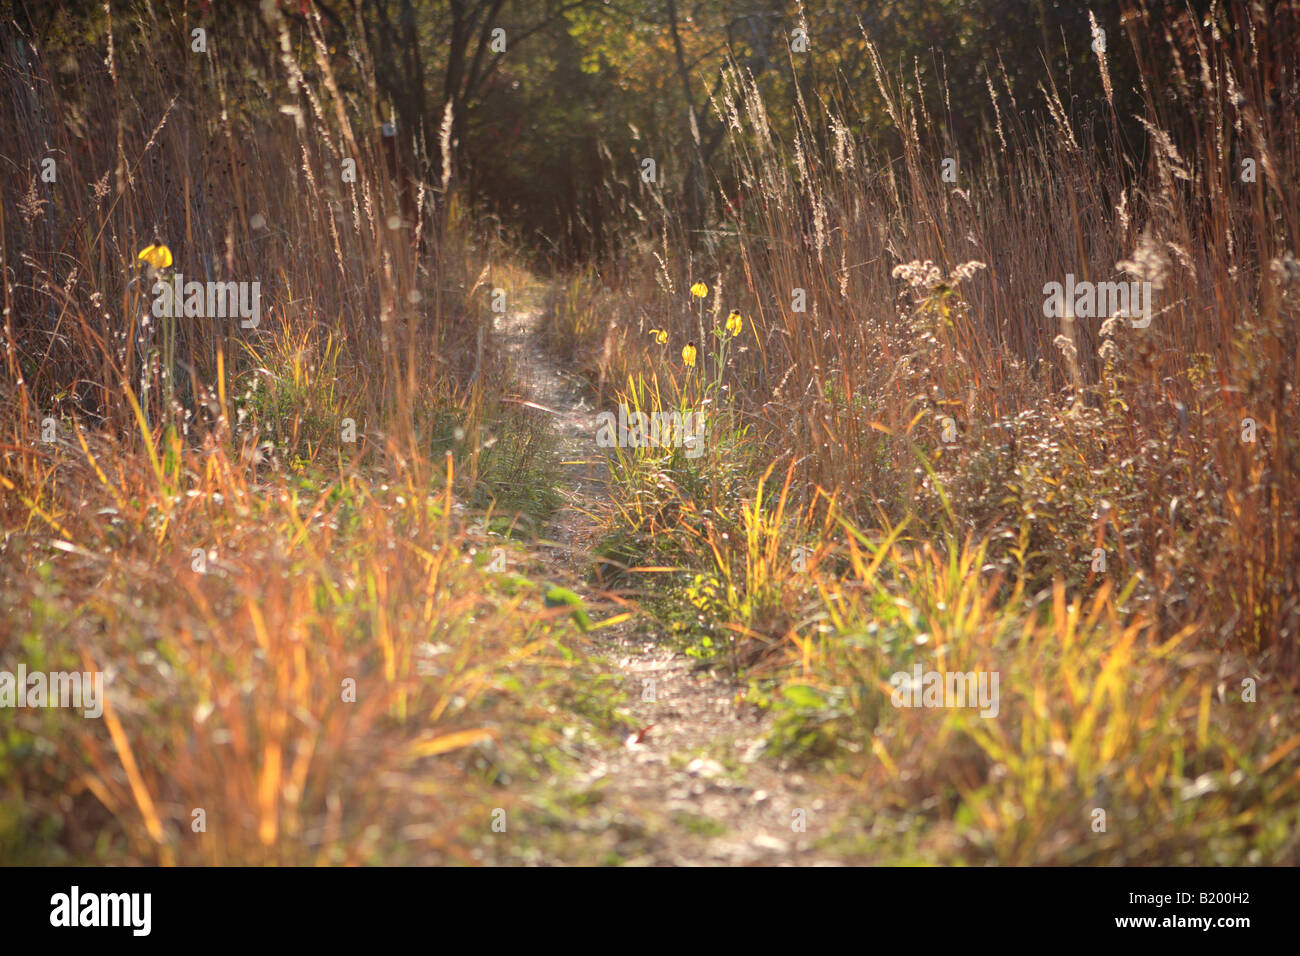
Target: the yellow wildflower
pixel 699 290
pixel 688 354
pixel 661 336
pixel 734 323
pixel 156 255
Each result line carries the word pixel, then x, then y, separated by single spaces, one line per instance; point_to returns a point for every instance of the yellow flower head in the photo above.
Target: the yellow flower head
pixel 661 336
pixel 699 290
pixel 158 256
pixel 734 323
pixel 688 354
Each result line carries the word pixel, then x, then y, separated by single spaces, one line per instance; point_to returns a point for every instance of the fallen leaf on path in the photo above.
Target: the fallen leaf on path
pixel 635 740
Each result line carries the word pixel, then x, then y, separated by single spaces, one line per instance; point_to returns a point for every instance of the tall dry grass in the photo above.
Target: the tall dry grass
pixel 1104 514
pixel 305 661
pixel 923 306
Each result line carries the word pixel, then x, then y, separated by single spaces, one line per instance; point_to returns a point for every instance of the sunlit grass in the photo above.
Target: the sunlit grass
pixel 1079 508
pixel 278 544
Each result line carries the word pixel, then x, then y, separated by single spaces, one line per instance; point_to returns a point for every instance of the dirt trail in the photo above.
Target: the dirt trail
pixel 692 789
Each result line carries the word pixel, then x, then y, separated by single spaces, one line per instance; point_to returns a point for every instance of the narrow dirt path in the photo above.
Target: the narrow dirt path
pixel 688 786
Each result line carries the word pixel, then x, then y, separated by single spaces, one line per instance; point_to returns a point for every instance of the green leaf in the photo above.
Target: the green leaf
pixel 803 697
pixel 556 596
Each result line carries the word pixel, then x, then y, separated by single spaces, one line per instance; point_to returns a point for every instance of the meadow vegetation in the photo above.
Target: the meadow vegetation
pixel 905 462
pixel 345 681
